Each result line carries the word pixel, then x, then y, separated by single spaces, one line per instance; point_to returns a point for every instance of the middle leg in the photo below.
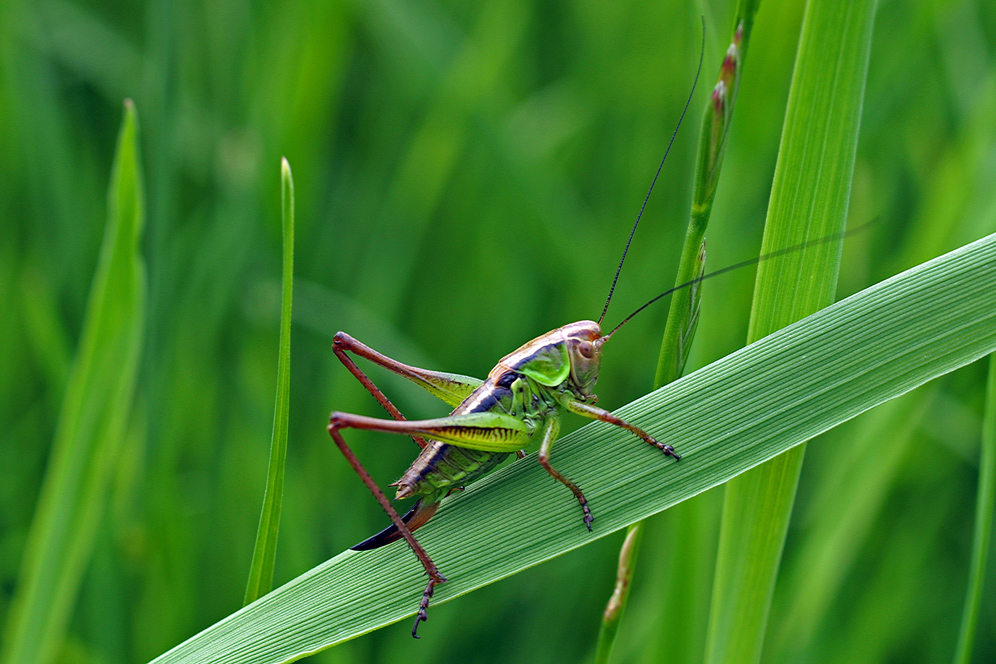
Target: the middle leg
pixel 551 427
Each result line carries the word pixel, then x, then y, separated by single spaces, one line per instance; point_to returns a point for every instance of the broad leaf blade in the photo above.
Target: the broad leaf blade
pixel 727 417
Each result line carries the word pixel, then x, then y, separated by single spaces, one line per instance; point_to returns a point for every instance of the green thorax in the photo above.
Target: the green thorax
pixel 527 384
pixel 441 467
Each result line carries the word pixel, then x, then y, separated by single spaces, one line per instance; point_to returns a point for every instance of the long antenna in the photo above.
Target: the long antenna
pixel 752 261
pixel 656 175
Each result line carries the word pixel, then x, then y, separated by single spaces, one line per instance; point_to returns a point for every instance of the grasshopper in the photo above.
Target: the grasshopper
pixel 519 403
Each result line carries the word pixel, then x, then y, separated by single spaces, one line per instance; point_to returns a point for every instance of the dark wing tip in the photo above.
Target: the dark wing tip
pixel 414 518
pixel 378 540
pixel 386 536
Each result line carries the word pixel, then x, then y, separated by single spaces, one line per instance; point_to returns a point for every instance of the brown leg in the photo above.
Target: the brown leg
pixel 430 567
pixel 342 343
pixel 449 387
pixel 550 429
pixel 596 413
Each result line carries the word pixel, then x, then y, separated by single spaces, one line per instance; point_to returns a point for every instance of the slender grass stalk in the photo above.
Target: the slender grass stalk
pixel 620 593
pixel 265 551
pixel 716 123
pixel 734 414
pixel 683 315
pixel 809 199
pixel 92 422
pixel 688 318
pixel 983 523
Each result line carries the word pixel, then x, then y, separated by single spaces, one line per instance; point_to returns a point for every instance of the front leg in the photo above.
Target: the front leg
pixel 596 413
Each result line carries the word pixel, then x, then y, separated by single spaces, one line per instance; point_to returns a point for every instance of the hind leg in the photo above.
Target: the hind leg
pixel 492 432
pixel 451 388
pixel 435 577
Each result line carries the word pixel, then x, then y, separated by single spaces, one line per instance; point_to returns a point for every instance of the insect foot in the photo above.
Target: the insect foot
pixel 668 450
pixel 588 518
pixel 423 606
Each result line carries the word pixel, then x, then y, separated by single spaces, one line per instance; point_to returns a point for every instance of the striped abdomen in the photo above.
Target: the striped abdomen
pixel 441 466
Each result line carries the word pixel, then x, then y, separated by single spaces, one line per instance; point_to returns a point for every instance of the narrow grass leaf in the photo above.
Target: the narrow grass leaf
pixel 683 315
pixel 983 523
pixel 809 199
pixel 728 417
pixel 265 551
pixel 91 424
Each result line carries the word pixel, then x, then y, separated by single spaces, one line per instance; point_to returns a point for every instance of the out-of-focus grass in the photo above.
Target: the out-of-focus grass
pixel 450 252
pixel 91 429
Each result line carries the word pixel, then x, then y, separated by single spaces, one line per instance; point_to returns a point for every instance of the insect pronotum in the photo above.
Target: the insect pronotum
pixel 519 403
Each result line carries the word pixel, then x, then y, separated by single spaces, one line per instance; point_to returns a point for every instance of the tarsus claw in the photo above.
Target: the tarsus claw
pixel 588 518
pixel 423 606
pixel 668 450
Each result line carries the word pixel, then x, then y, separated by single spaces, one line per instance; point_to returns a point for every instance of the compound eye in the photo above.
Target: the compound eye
pixel 587 349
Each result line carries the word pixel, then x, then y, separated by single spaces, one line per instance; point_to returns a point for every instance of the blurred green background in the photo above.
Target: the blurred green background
pixel 466 174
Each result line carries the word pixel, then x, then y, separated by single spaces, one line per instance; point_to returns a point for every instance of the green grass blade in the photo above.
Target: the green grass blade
pixel 730 416
pixel 983 523
pixel 809 200
pixel 265 551
pixel 716 124
pixel 683 314
pixel 845 503
pixel 614 608
pixel 91 424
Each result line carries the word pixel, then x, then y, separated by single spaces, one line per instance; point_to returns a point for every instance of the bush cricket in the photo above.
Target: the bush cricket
pixel 518 404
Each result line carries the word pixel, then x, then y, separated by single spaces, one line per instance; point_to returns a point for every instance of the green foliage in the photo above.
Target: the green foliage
pixel 809 200
pixel 742 410
pixel 466 173
pixel 265 553
pixel 90 434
